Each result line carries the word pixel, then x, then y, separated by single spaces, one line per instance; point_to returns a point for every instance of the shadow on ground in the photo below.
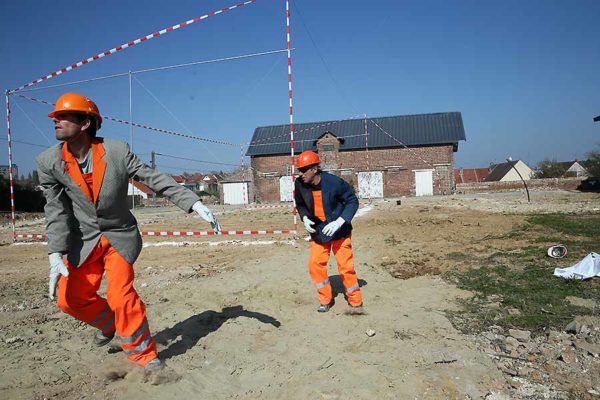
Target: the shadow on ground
pixel 198 326
pixel 337 286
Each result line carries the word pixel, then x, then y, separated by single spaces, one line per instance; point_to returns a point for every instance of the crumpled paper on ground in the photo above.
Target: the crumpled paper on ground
pixel 584 269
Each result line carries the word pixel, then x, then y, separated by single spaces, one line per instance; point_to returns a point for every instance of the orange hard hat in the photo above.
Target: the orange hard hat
pixel 76 103
pixel 307 158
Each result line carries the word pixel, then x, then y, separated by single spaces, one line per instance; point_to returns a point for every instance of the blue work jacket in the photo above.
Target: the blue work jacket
pixel 339 200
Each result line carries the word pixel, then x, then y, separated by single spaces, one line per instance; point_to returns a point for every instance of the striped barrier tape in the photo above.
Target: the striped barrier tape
pixel 131 43
pixel 188 233
pixel 222 233
pixel 265 207
pixel 141 125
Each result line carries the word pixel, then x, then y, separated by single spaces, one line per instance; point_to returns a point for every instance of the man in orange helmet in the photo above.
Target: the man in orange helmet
pixel 85 180
pixel 327 204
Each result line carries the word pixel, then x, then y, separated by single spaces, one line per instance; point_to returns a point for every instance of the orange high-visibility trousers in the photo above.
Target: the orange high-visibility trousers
pixel 122 310
pixel 317 267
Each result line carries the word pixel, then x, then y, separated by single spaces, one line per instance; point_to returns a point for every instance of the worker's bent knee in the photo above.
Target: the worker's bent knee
pixel 118 301
pixel 70 304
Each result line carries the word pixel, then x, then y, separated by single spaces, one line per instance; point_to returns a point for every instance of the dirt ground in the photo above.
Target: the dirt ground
pixel 235 317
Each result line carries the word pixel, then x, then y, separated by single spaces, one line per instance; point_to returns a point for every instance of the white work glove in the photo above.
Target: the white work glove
pixel 57 268
pixel 308 225
pixel 333 227
pixel 207 215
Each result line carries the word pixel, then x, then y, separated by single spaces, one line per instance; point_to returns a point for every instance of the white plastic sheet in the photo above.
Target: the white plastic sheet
pixel 584 269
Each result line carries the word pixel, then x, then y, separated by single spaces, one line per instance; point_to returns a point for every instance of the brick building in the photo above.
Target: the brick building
pixel 379 157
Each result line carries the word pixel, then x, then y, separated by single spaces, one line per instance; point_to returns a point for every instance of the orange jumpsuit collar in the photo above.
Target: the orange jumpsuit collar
pixel 98 169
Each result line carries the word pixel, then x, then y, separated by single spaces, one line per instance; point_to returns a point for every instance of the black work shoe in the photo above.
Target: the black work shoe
pixel 102 339
pixel 324 307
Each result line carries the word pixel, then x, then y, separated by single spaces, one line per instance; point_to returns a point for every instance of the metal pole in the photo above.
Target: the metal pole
pixel 131 141
pixel 10 165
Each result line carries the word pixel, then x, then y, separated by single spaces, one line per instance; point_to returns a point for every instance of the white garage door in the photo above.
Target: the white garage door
pixel 370 185
pixel 285 188
pixel 424 182
pixel 235 193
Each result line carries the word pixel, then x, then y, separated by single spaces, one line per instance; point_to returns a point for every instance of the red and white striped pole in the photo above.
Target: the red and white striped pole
pixel 289 56
pixel 244 188
pixel 132 43
pixel 367 157
pixel 10 165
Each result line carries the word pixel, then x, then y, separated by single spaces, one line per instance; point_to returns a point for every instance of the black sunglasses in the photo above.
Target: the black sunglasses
pixel 304 169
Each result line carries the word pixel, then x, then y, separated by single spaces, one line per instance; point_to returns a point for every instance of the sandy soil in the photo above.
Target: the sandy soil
pixel 237 318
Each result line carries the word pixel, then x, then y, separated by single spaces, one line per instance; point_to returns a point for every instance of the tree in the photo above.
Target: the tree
pixel 592 164
pixel 35 178
pixel 549 169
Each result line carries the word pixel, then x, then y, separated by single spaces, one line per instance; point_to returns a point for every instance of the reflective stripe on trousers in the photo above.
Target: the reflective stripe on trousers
pixel 317 267
pixel 122 309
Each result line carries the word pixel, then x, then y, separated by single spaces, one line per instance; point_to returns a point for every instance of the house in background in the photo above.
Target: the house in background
pixel 573 169
pixel 506 173
pixel 210 183
pixel 184 182
pixel 380 157
pixel 470 175
pixel 236 188
pixel 137 191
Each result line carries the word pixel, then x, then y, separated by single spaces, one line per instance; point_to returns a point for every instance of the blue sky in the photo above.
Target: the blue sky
pixel 524 74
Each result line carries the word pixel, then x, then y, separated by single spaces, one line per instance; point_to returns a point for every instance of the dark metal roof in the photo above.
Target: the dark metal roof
pixel 394 131
pixel 500 170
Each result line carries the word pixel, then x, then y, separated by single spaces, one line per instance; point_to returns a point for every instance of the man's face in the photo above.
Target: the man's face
pixel 68 126
pixel 308 173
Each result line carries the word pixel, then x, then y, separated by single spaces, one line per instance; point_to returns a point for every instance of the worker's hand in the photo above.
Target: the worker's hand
pixel 308 225
pixel 57 268
pixel 333 227
pixel 216 226
pixel 207 215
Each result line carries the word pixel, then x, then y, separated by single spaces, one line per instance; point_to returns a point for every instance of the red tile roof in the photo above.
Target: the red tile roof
pixel 141 187
pixel 470 175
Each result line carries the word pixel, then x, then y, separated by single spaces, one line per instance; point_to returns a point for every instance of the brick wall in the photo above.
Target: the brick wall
pixel 397 164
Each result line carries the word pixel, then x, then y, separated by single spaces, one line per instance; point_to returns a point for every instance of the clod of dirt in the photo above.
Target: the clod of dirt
pixel 162 376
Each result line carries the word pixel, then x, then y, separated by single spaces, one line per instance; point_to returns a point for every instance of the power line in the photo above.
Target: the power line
pixel 28 143
pixel 346 98
pixel 195 160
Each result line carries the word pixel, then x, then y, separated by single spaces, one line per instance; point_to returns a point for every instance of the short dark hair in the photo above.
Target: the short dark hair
pixel 93 124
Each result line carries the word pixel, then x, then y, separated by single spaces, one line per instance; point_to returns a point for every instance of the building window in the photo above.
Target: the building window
pixel 328 147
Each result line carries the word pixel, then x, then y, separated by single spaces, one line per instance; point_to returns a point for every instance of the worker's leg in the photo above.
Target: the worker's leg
pixel 78 297
pixel 342 249
pixel 317 267
pixel 130 311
